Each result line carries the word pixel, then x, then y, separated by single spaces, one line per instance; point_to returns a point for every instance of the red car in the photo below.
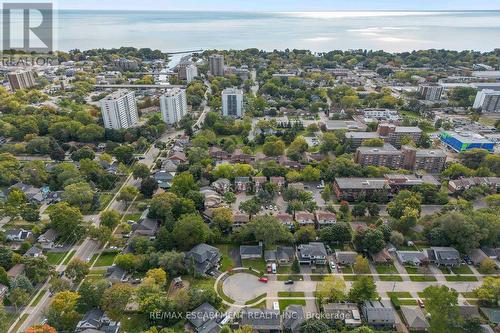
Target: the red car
pixel 269 269
pixel 263 279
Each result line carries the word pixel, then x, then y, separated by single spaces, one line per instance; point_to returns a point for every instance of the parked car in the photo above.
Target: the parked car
pixel 289 282
pixel 332 265
pixel 263 279
pixel 269 268
pixel 421 303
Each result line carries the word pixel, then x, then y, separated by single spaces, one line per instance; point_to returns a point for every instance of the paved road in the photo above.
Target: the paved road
pixel 88 247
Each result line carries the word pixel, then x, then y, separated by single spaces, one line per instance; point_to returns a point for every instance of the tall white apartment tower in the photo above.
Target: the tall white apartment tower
pixel 173 105
pixel 216 64
pixel 487 100
pixel 119 110
pixel 191 72
pixel 232 102
pixel 22 79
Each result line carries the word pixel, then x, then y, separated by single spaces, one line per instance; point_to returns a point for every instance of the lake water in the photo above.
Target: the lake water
pixel 318 31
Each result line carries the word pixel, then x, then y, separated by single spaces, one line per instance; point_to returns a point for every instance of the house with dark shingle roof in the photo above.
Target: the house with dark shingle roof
pixel 313 253
pixel 34 252
pixel 414 318
pixel 96 319
pixel 204 318
pixel 443 256
pixel 203 259
pixel 347 258
pixel 251 251
pixel 379 315
pixel 293 317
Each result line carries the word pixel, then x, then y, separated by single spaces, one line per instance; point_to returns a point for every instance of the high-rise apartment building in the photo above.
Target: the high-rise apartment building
pixel 487 100
pixel 216 64
pixel 173 105
pixel 430 92
pixel 232 102
pixel 22 79
pixel 119 110
pixel 191 72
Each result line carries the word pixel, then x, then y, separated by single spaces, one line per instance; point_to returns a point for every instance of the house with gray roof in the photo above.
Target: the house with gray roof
pixel 17 235
pixel 477 256
pixel 3 291
pixel 203 259
pixel 204 319
pixel 293 317
pixel 115 274
pixel 262 320
pixel 164 178
pixel 414 258
pixel 283 255
pixel 146 227
pixel 313 253
pixel 96 319
pixel 443 256
pixel 47 239
pixel 346 258
pixel 34 252
pixel 379 315
pixel 251 251
pixel 414 318
pixel 348 313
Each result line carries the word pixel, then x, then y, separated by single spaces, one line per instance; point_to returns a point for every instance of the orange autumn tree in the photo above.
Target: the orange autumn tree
pixel 41 329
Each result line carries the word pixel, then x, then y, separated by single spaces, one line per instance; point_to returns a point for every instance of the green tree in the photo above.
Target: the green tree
pixel 189 231
pixel 361 266
pixel 110 218
pixel 183 183
pixel 141 171
pixel 442 304
pixel 77 270
pixel 332 288
pixel 375 142
pixel 222 217
pixel 305 235
pixel 266 229
pixel 62 313
pixel 66 220
pixel 128 193
pixel 115 299
pixel 251 207
pixel 489 291
pixel 19 297
pixel 79 195
pixel 404 199
pixel 91 294
pixel 363 289
pixel 340 232
pixel 148 187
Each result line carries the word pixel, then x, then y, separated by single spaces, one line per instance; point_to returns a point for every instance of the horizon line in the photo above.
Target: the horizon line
pixel 282 11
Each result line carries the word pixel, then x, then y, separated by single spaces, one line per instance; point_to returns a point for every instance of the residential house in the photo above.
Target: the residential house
pixel 462 184
pixel 313 253
pixel 212 198
pixel 218 154
pixel 96 319
pixel 242 184
pixel 251 251
pixel 288 163
pixel 164 178
pixel 178 158
pixel 47 239
pixel 304 219
pixel 259 182
pixel 33 194
pixel 490 252
pixel 283 255
pixel 16 271
pixel 492 315
pixel 348 313
pixel 34 252
pixel 379 315
pixel 115 274
pixel 204 319
pixel 240 219
pixel 414 318
pixel 278 181
pixel 443 256
pixel 203 259
pixel 168 165
pixel 325 218
pixel 293 317
pixel 469 311
pixel 222 185
pixel 146 227
pixel 346 258
pixel 313 157
pixel 262 320
pixel 477 256
pixel 17 235
pixel 413 258
pixel 382 257
pixel 238 156
pixel 286 219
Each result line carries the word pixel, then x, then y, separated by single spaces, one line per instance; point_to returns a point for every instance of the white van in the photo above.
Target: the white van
pixel 273 268
pixel 276 306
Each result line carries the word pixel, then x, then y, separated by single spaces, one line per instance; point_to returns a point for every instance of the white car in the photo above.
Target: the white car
pixel 332 265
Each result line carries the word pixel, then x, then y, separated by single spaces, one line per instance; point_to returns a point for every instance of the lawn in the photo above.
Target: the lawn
pixel 132 217
pixel 38 298
pixel 347 270
pixel 291 294
pixel 399 294
pixel 20 322
pixel 134 323
pixel 256 299
pixel 422 278
pixel 258 264
pixel 286 302
pixel 464 269
pixel 227 262
pixel 412 270
pixel 469 294
pixel 55 258
pixel 460 278
pixel 293 277
pixel 396 278
pixel 350 277
pixel 407 302
pixel 284 269
pixel 106 259
pixel 386 269
pixel 71 254
pixel 317 277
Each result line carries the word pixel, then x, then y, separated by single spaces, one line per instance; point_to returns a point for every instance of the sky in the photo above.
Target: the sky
pixel 280 5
